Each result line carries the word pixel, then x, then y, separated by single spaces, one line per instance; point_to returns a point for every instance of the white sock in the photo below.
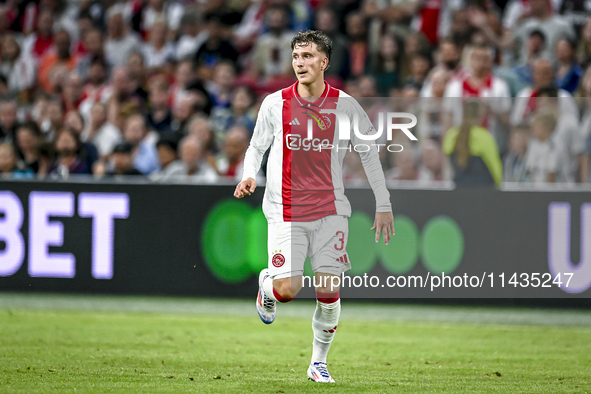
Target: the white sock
pixel 326 319
pixel 268 288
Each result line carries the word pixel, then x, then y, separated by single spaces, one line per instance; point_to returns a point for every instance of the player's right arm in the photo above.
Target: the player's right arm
pixel 245 188
pixel 259 143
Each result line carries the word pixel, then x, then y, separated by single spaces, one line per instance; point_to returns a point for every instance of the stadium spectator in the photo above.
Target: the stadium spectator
pixel 569 72
pixel 138 73
pixel 433 163
pixel 95 10
pixel 542 18
pixel 515 12
pixel 413 44
pixel 229 165
pixel 95 89
pixel 95 52
pixel 271 55
pixel 358 45
pixel 86 151
pixel 68 161
pixel 159 117
pixel 29 138
pixel 535 46
pixel 541 164
pixel 8 122
pixel 182 113
pixel 431 114
pixel 72 92
pixel 170 164
pixel 9 168
pixel 461 29
pixel 85 25
pixel 567 137
pixel 121 42
pixel 482 83
pixel 122 160
pixel 53 121
pixel 100 132
pixel 155 10
pixel 326 20
pixel 420 64
pixel 239 113
pixel 404 166
pixel 20 16
pixel 203 103
pixel 472 150
pixel 56 62
pixel 17 68
pixel 38 43
pixel 192 36
pixel 145 158
pixel 200 128
pixel 367 86
pixel 216 47
pixel 514 162
pixel 526 101
pixel 64 16
pixel 122 93
pixel 222 84
pixel 250 27
pixel 197 168
pixel 575 12
pixel 448 60
pixel 158 50
pixel 184 77
pixel 384 66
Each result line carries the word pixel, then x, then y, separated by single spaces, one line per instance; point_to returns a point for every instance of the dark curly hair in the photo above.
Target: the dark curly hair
pixel 323 43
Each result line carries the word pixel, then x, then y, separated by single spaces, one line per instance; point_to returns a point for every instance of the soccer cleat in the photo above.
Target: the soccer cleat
pixel 318 373
pixel 266 307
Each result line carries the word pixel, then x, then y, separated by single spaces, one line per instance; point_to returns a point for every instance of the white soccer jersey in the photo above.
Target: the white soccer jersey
pixel 305 176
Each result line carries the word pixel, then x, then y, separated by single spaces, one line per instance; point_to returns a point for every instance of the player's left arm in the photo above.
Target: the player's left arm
pixel 384 220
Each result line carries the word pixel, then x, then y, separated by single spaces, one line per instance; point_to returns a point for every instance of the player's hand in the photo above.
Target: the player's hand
pixel 384 224
pixel 245 188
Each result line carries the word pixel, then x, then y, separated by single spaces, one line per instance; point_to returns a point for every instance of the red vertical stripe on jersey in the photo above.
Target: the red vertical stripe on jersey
pixel 286 181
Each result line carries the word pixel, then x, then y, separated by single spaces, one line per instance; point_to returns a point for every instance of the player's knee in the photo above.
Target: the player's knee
pixel 286 289
pixel 327 284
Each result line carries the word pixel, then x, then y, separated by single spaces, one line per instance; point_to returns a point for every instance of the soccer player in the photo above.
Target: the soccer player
pixel 304 200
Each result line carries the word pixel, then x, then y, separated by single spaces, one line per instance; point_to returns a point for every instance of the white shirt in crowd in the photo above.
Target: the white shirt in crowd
pixel 104 139
pixel 541 160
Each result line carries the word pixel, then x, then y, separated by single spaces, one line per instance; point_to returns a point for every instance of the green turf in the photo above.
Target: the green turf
pixel 64 350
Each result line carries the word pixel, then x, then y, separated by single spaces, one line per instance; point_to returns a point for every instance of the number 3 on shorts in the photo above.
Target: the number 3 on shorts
pixel 340 241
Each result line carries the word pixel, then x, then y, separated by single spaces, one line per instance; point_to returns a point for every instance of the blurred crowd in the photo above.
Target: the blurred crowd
pixel 170 89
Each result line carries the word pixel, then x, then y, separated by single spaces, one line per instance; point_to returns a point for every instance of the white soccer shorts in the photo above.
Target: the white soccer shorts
pixel 324 240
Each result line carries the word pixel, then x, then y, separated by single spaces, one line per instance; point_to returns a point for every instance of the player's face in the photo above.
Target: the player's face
pixel 308 63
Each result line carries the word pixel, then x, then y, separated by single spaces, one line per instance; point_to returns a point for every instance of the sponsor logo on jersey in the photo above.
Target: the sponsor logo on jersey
pixel 278 260
pixel 296 142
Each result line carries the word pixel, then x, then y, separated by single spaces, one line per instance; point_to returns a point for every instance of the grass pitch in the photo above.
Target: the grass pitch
pixel 64 344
